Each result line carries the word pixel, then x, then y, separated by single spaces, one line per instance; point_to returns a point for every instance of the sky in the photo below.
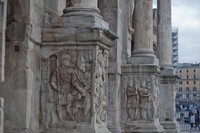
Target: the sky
pixel 186 16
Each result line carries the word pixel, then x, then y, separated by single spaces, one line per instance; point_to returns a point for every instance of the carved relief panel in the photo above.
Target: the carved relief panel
pixel 141 97
pixel 100 93
pixel 66 88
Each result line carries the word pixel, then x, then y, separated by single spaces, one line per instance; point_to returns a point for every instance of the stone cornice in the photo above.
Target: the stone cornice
pixel 166 79
pixel 62 37
pixel 129 68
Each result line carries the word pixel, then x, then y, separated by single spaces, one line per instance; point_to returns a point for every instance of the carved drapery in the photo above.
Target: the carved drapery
pixel 100 97
pixel 66 88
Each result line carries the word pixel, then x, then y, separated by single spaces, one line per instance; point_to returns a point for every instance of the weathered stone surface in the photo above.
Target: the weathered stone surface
pixel 140 98
pixel 164 33
pixel 168 78
pixel 74 80
pixel 67 73
pixel 21 86
pixel 143 37
pixel 3 12
pixel 1 115
pixel 140 77
pixel 167 86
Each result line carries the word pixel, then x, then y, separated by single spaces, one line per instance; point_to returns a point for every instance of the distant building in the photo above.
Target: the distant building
pixel 175 59
pixel 189 83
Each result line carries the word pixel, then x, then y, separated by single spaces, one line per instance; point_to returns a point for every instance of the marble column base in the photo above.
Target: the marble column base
pixel 143 127
pixel 170 126
pixel 143 59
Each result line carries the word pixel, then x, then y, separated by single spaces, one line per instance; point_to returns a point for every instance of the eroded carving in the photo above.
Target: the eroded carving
pixel 144 96
pixel 132 100
pixel 138 104
pixel 69 88
pixel 100 90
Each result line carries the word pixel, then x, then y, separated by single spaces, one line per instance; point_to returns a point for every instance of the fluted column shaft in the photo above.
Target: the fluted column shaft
pixel 143 25
pixel 164 37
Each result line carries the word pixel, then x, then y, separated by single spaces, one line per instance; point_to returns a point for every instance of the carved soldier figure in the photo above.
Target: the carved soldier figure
pixel 61 82
pixel 82 87
pixel 144 96
pixel 71 90
pixel 132 100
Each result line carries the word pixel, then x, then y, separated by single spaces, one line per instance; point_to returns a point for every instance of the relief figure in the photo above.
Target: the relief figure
pixel 144 99
pixel 82 87
pixel 61 82
pixel 132 100
pixel 71 90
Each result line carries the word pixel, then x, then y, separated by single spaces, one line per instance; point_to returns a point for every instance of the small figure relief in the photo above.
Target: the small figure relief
pixel 144 99
pixel 130 15
pixel 100 89
pixel 132 100
pixel 70 93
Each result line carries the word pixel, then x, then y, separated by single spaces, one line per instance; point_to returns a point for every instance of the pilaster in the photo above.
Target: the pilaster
pixel 74 66
pixel 168 77
pixel 140 77
pixel 140 99
pixel 167 86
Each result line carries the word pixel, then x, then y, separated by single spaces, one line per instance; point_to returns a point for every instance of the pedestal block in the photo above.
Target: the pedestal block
pixel 74 61
pixel 140 94
pixel 168 82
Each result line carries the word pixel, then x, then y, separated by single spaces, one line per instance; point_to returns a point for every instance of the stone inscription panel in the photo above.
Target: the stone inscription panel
pixel 66 88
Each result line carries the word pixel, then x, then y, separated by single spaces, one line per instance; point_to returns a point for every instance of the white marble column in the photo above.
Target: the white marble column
pixel 143 36
pixel 143 25
pixel 167 79
pixel 164 37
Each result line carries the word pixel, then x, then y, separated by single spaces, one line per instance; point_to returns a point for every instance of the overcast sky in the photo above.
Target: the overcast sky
pixel 186 16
